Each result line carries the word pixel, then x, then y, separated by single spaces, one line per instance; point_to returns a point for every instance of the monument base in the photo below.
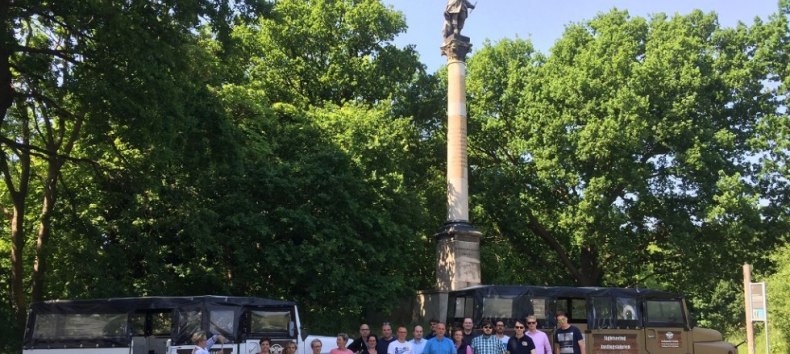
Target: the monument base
pixel 458 256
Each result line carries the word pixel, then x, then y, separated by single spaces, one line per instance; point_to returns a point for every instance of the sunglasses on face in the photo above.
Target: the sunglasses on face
pixel 519 327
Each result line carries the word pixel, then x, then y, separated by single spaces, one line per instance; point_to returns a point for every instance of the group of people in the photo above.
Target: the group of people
pixel 527 339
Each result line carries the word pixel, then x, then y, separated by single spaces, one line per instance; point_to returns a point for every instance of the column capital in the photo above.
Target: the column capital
pixel 456 47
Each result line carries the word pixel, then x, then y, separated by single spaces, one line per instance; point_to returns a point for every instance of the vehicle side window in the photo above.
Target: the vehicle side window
pixel 539 307
pixel 269 321
pixel 222 321
pixel 497 307
pixel 138 324
pixel 627 311
pixel 161 323
pixel 157 323
pixel 80 326
pixel 189 321
pixel 602 312
pixel 664 313
pixel 575 309
pixel 464 306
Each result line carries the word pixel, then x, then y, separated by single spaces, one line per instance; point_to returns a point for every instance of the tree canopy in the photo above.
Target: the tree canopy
pixel 636 153
pixel 289 149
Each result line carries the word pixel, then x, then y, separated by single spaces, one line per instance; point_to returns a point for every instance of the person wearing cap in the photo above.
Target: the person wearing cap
pixel 487 343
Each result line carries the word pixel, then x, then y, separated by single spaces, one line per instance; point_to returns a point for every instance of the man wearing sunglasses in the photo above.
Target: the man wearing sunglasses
pixel 567 339
pixel 487 343
pixel 520 343
pixel 541 340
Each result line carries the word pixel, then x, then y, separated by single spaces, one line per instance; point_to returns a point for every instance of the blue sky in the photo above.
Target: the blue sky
pixel 543 21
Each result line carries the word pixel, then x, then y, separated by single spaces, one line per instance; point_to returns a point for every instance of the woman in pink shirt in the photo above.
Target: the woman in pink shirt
pixel 541 340
pixel 342 340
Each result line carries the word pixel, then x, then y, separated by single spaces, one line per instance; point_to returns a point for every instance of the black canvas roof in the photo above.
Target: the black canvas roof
pixel 562 291
pixel 117 305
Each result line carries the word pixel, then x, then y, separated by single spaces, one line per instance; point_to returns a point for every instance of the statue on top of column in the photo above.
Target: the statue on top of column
pixel 454 16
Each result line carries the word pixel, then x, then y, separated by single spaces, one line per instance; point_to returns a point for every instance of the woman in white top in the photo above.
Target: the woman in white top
pixel 202 344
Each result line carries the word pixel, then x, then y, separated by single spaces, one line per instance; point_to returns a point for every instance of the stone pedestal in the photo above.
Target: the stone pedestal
pixel 457 256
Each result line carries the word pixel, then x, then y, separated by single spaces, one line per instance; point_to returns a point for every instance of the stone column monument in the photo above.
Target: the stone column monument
pixel 458 243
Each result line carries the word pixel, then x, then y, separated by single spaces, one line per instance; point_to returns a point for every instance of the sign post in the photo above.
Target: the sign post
pixel 747 281
pixel 759 308
pixel 756 309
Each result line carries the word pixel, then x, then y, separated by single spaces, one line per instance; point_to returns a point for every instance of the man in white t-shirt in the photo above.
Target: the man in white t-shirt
pixel 400 345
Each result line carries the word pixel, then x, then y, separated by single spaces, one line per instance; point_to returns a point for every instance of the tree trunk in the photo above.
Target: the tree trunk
pixel 18 192
pixel 17 232
pixel 592 273
pixel 44 227
pixel 17 263
pixel 54 165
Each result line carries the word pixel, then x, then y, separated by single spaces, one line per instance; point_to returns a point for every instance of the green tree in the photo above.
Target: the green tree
pixel 778 305
pixel 88 72
pixel 624 156
pixel 268 188
pixel 335 182
pixel 311 52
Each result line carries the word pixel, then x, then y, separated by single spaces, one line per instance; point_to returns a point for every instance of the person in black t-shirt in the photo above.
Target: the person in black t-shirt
pixel 520 343
pixel 568 339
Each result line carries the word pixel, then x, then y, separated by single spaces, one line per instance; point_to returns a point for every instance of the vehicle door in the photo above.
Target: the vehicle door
pixel 151 330
pixel 666 327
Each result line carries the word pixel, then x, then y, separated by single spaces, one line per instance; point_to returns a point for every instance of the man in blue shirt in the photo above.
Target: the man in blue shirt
pixel 439 344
